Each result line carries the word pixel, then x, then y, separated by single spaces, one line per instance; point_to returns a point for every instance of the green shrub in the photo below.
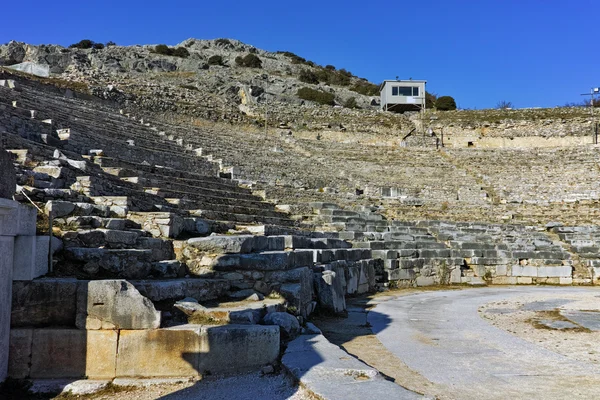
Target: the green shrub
pixel 162 49
pixel 83 44
pixel 365 88
pixel 215 60
pixel 224 42
pixel 351 103
pixel 296 59
pixel 250 61
pixel 330 67
pixel 181 52
pixel 308 76
pixel 317 96
pixel 445 103
pixel 168 51
pixel 98 46
pixel 110 43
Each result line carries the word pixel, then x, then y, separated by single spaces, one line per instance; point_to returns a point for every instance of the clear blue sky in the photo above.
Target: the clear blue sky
pixel 534 53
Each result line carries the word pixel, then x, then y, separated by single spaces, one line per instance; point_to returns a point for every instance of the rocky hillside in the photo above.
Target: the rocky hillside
pixel 220 79
pixel 230 81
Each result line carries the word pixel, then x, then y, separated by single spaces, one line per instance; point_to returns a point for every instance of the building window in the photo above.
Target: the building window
pixel 406 91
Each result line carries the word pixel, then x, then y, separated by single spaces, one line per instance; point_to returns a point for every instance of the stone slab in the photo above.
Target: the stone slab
pixel 9 217
pixel 174 352
pixel 6 271
pixel 236 348
pixel 330 373
pixel 586 319
pixel 114 304
pixel 73 353
pixel 8 179
pixel 30 257
pixel 19 354
pixel 44 302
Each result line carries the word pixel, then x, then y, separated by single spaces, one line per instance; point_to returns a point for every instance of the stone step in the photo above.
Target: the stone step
pixel 94 222
pixel 108 238
pixel 193 186
pixel 249 218
pixel 264 261
pixel 254 346
pixel 52 301
pixel 232 198
pixel 98 263
pixel 158 171
pixel 236 312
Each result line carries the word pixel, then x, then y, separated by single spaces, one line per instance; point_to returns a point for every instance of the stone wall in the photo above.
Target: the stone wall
pixel 17 227
pixel 19 255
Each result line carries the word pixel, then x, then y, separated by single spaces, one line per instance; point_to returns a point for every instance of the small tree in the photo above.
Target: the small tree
pixel 162 49
pixel 168 51
pixel 351 103
pixel 181 52
pixel 445 103
pixel 430 99
pixel 98 46
pixel 504 105
pixel 308 76
pixel 317 96
pixel 250 61
pixel 110 43
pixel 215 60
pixel 83 44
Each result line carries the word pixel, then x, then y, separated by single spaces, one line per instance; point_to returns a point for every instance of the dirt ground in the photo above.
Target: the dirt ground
pixel 527 316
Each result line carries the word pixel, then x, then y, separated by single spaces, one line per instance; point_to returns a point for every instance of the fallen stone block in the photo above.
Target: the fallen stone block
pixel 328 372
pixel 114 304
pixel 330 290
pixel 289 327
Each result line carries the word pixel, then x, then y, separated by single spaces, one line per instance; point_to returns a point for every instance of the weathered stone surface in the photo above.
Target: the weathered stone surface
pixel 44 302
pixel 59 208
pixel 73 353
pixel 177 289
pixel 330 290
pixel 6 271
pixel 19 354
pixel 191 350
pixel 253 346
pixel 31 257
pixel 288 324
pixel 218 244
pixel 174 351
pixel 8 180
pixel 114 304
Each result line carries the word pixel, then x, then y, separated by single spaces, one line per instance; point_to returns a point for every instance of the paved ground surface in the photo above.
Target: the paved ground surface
pixel 239 387
pixel 443 338
pixel 331 373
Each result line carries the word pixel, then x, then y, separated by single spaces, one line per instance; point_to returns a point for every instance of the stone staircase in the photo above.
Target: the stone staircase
pixel 433 252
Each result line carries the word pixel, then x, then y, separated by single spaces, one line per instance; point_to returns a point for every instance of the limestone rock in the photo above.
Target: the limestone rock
pixel 114 304
pixel 330 290
pixel 59 208
pixel 189 306
pixel 288 324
